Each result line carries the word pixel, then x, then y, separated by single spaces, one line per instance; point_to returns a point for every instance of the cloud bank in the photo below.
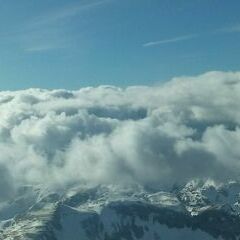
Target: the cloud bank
pixel 184 129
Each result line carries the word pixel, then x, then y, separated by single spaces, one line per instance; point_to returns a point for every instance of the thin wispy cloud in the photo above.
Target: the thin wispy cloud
pixel 41 48
pixel 66 12
pixel 49 31
pixel 169 40
pixel 230 29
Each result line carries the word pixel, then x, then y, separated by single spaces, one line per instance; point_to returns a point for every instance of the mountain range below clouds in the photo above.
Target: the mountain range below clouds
pixel 195 211
pixel 142 162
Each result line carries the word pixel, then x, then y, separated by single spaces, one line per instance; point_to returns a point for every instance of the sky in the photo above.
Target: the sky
pixel 77 43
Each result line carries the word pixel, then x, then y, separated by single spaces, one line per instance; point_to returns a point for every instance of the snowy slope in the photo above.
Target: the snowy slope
pixel 194 211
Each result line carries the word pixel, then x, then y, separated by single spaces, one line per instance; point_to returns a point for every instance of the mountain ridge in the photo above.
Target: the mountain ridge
pixel 196 210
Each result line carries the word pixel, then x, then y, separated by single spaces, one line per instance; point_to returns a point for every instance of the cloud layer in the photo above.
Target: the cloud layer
pixel 184 129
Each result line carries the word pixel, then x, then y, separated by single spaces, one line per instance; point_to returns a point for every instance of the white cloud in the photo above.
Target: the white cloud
pixel 230 29
pixel 170 40
pixel 186 128
pixel 67 12
pixel 49 30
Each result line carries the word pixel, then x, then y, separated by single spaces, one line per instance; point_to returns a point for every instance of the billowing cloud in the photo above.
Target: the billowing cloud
pixel 184 129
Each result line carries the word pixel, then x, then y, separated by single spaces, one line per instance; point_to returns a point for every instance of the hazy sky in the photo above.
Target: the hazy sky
pixel 76 43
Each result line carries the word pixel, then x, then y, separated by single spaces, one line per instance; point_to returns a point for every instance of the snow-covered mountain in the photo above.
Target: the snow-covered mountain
pixel 196 211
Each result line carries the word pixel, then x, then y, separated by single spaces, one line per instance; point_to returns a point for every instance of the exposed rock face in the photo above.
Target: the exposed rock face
pixel 194 211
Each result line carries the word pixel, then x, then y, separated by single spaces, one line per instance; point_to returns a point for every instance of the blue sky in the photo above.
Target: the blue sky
pixel 77 43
